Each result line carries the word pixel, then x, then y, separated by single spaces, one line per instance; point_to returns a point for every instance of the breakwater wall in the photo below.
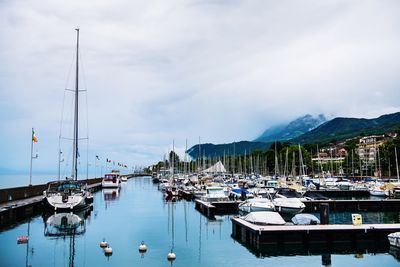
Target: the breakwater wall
pixel 23 192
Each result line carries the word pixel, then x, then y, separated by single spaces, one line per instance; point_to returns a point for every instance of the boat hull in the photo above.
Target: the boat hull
pixel 75 202
pixel 110 184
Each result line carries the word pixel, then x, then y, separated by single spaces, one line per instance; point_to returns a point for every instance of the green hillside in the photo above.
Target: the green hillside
pixel 343 128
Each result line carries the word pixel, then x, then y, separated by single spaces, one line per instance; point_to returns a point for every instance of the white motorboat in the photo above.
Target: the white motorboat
pixel 264 218
pixel 257 204
pixel 111 180
pixel 378 191
pixel 394 239
pixel 214 193
pixel 288 205
pixel 124 178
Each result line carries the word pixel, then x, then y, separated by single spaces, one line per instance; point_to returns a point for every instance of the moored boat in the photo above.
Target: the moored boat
pixel 111 180
pixel 394 239
pixel 288 205
pixel 264 218
pixel 66 195
pixel 70 194
pixel 256 204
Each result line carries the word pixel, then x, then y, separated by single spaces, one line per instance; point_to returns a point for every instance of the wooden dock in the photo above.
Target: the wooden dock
pixel 258 235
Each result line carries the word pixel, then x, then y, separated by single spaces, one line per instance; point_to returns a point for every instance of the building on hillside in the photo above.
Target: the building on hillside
pixel 368 148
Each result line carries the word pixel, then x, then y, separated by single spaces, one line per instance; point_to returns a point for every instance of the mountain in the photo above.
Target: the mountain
pixel 292 130
pixel 307 129
pixel 236 148
pixel 343 128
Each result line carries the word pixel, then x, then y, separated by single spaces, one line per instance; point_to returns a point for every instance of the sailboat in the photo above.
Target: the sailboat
pixel 70 194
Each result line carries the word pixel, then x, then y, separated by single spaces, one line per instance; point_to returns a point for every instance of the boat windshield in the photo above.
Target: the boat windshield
pixel 65 186
pixel 215 190
pixel 110 176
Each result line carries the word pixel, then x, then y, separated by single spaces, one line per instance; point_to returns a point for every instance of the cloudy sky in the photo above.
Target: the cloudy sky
pixel 157 71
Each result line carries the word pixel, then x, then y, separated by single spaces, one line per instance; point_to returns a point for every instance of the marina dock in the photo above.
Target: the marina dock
pixel 217 208
pixel 354 205
pixel 258 235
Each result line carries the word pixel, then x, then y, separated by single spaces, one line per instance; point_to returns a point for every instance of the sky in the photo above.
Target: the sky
pixel 157 71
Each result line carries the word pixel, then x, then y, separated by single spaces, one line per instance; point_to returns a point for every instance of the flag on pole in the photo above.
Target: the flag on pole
pixel 34 138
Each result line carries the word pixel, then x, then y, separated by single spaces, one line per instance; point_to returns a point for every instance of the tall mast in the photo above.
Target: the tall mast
pixel 75 143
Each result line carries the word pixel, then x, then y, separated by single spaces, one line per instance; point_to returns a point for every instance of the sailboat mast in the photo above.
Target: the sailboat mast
pixel 75 142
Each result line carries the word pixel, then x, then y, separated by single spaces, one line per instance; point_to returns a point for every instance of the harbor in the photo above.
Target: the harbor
pixel 138 212
pixel 200 133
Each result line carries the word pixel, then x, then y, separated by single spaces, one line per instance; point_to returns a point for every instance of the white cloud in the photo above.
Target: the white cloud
pixel 163 70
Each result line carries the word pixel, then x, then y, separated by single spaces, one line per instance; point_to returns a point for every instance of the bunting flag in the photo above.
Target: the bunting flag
pixel 97 157
pixel 34 138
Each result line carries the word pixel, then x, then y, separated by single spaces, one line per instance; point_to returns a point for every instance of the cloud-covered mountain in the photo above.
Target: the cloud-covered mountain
pixel 342 128
pixel 306 129
pixel 292 130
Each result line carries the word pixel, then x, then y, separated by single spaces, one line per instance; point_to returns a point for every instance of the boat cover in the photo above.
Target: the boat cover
pixel 264 218
pixel 305 218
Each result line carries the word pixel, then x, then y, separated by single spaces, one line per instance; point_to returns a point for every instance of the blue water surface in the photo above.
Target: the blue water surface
pixel 138 212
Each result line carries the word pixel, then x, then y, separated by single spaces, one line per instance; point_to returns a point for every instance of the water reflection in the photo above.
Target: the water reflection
pixel 324 250
pixel 66 226
pixel 111 194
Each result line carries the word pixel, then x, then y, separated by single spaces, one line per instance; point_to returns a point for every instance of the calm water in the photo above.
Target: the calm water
pixel 138 212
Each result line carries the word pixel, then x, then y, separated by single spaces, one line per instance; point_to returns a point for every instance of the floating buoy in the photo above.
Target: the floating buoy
pixel 103 244
pixel 142 247
pixel 22 239
pixel 108 250
pixel 171 256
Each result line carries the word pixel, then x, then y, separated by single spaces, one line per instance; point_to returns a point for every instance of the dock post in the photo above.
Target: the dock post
pixel 324 213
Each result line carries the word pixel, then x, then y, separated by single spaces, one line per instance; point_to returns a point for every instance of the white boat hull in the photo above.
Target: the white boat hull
pixel 110 184
pixel 377 193
pixel 73 202
pixel 288 205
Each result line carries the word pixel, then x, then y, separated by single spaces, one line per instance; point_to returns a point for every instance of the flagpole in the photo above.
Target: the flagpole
pixel 95 163
pixel 30 169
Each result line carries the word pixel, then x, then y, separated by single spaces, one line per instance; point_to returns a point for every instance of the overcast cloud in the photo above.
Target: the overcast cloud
pixel 162 70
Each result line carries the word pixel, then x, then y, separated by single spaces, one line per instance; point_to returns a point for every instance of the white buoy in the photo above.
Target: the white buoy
pixel 142 247
pixel 171 256
pixel 103 243
pixel 108 250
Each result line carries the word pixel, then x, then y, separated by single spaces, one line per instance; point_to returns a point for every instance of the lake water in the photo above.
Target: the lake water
pixel 139 212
